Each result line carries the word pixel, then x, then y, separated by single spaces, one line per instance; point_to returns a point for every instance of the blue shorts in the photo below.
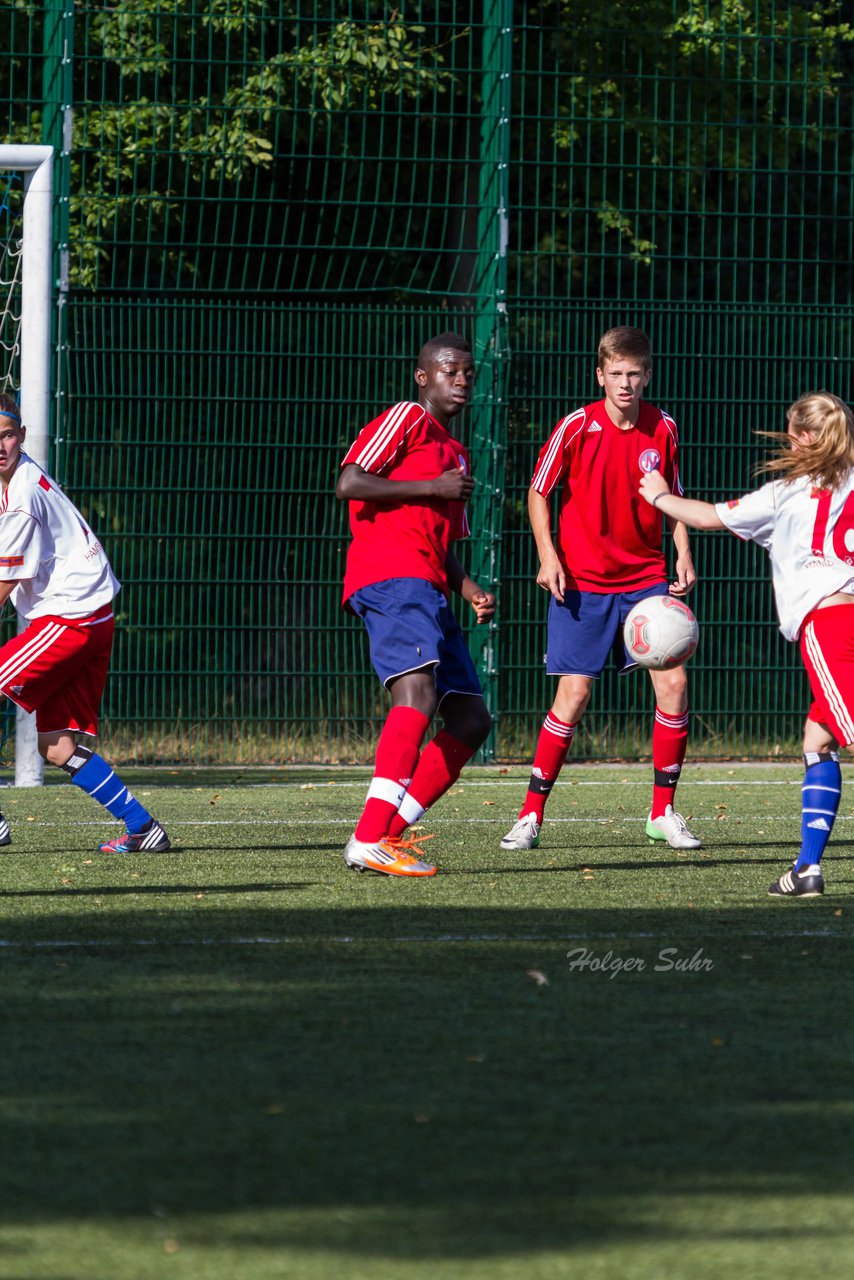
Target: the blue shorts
pixel 410 626
pixel 588 626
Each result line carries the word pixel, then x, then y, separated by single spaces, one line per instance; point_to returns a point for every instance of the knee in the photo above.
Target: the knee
pixel 56 749
pixel 671 690
pixel 55 753
pixel 481 724
pixel 417 690
pixel 472 724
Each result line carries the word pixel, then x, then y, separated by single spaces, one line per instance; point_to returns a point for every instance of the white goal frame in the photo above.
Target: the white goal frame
pixel 36 164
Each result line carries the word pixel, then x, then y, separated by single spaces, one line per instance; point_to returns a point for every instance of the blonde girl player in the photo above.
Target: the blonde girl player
pixel 55 572
pixel 804 518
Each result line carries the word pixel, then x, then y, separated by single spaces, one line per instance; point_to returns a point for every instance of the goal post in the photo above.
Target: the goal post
pixel 30 352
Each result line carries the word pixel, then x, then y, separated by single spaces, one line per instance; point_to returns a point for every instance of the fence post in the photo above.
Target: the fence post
pixel 489 420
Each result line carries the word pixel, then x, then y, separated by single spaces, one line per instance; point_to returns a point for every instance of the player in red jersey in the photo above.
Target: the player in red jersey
pixel 804 518
pixel 608 557
pixel 58 577
pixel 406 479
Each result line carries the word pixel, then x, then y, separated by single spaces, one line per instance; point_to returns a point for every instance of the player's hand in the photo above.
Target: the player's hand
pixel 685 576
pixel 483 603
pixel 453 485
pixel 652 484
pixel 552 578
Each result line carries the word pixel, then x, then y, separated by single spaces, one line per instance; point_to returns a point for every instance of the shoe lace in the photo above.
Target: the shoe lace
pixel 407 850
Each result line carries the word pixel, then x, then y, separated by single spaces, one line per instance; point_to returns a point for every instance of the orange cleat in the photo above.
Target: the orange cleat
pixel 391 856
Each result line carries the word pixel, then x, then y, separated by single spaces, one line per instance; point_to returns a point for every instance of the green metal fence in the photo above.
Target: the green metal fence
pixel 263 208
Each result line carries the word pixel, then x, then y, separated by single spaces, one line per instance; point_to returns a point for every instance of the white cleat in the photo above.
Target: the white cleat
pixel 524 834
pixel 673 828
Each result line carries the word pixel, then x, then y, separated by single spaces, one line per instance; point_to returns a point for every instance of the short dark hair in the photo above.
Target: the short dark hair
pixel 442 342
pixel 623 341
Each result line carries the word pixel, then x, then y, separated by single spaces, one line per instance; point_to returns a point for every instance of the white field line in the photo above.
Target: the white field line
pixel 416 939
pixel 760 819
pixel 515 782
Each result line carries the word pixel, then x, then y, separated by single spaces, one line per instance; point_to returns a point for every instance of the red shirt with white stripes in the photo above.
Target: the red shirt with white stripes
pixel 404 539
pixel 609 538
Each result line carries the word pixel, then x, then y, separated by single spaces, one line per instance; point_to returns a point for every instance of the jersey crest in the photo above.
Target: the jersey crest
pixel 650 460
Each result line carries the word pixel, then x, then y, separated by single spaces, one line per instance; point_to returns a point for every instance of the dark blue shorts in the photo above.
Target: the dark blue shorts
pixel 588 626
pixel 411 625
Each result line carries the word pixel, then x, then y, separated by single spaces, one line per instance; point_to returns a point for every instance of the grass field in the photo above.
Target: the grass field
pixel 241 1061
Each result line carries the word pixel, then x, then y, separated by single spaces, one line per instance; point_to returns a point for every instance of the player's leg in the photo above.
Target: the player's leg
pixel 401 618
pixel 582 631
pixel 553 744
pixel 79 658
pixel 827 649
pixel 466 723
pixel 821 792
pixel 92 774
pixel 669 743
pixel 413 704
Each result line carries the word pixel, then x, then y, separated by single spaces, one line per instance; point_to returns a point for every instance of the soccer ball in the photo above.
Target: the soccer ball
pixel 660 632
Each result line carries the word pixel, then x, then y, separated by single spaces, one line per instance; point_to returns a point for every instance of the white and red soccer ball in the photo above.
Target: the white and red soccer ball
pixel 660 632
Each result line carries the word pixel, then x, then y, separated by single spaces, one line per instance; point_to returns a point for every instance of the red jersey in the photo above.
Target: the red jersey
pixel 404 539
pixel 609 537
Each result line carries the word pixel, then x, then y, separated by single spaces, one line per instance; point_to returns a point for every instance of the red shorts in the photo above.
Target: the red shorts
pixel 58 668
pixel 827 648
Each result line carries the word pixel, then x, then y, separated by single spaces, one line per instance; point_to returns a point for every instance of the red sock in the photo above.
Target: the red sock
pixel 397 757
pixel 552 745
pixel 669 741
pixel 440 765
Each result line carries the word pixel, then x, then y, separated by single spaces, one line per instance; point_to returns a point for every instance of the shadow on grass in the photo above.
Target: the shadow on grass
pixel 421 1082
pixel 157 890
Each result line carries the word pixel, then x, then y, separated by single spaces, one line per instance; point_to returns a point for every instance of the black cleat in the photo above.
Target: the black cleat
pixel 808 883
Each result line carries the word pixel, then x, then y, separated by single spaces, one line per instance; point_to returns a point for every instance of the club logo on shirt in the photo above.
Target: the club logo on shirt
pixel 650 460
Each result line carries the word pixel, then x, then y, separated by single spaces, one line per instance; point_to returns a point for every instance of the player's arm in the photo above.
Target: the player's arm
pixel 483 602
pixel 6 589
pixel 551 576
pixel 357 485
pixel 690 511
pixel 686 575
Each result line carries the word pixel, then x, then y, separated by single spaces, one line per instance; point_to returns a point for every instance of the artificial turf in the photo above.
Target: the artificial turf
pixel 599 1058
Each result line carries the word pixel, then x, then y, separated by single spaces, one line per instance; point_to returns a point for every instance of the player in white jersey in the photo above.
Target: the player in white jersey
pixel 805 520
pixel 55 572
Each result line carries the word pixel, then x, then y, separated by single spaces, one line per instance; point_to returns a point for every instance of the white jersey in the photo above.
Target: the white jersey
pixel 809 535
pixel 46 544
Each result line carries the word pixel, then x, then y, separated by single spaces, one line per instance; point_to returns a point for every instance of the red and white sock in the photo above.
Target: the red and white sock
pixel 396 760
pixel 440 765
pixel 669 742
pixel 552 745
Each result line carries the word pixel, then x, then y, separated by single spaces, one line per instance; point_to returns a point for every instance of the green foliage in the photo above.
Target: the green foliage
pixel 354 65
pixel 167 132
pixel 724 70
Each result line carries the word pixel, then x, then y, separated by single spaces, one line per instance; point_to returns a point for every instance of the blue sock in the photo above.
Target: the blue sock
pixel 92 774
pixel 820 798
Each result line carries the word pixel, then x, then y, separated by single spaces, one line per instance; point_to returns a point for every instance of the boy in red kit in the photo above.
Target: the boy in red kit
pixel 407 480
pixel 608 557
